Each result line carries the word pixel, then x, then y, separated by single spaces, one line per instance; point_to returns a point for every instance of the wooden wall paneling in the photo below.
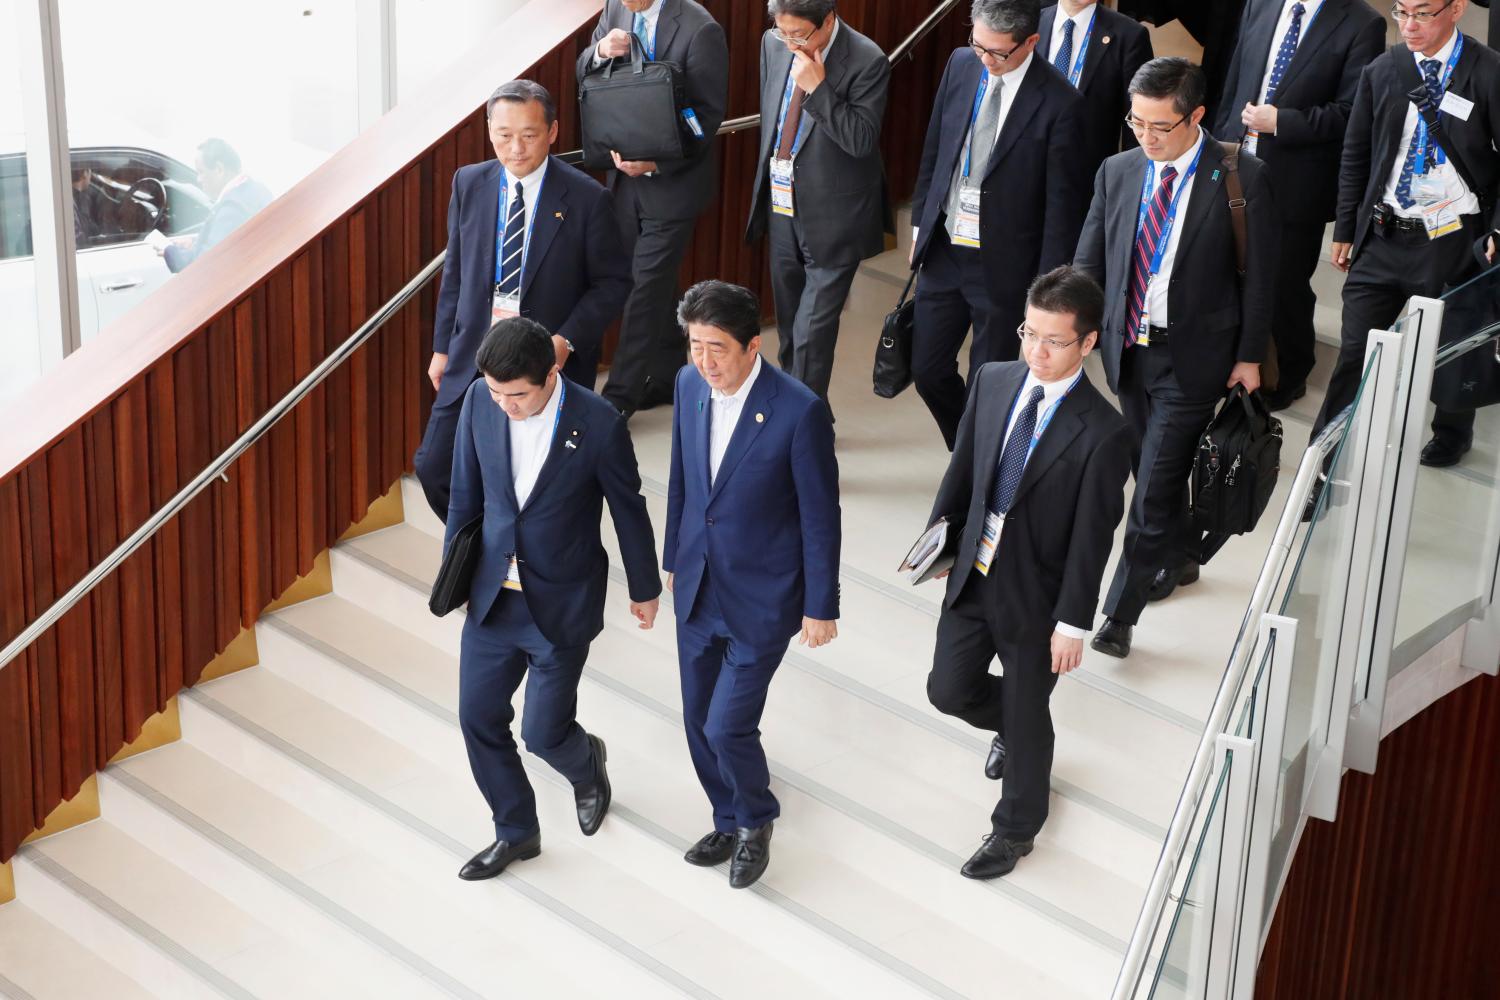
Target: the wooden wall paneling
pixel 280 352
pixel 41 661
pixel 103 537
pixel 417 249
pixel 393 378
pixel 340 385
pixel 361 299
pixel 67 513
pixel 166 547
pixel 132 501
pixel 250 470
pixel 17 791
pixel 225 496
pixel 308 489
pixel 195 450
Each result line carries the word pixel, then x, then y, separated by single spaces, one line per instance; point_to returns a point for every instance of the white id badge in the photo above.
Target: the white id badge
pixel 781 187
pixel 1440 220
pixel 989 541
pixel 966 226
pixel 1143 335
pixel 504 306
pixel 512 576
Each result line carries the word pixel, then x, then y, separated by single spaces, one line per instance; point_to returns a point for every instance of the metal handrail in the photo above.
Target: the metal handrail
pixel 1196 785
pixel 342 353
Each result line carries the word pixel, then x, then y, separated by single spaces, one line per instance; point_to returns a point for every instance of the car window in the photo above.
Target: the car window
pixel 15 209
pixel 121 195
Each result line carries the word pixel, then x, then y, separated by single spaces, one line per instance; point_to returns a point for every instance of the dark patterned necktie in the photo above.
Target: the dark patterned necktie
pixel 1145 251
pixel 513 245
pixel 1013 459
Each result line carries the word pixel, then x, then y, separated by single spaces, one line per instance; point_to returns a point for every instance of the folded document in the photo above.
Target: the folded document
pixel 932 554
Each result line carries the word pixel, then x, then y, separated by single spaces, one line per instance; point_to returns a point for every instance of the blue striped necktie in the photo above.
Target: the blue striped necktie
pixel 513 246
pixel 1145 253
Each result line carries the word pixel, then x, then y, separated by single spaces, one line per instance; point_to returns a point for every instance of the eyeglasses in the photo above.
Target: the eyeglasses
pixel 1141 128
pixel 995 54
pixel 1032 340
pixel 1421 17
pixel 796 41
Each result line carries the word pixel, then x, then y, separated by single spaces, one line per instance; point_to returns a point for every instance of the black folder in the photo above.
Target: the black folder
pixel 457 572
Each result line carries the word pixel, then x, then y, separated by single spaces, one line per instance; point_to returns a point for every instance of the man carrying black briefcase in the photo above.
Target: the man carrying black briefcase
pixel 658 202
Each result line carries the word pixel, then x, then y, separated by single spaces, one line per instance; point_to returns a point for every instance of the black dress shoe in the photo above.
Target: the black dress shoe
pixel 493 859
pixel 752 853
pixel 994 764
pixel 711 849
pixel 593 797
pixel 997 856
pixel 1113 639
pixel 1283 396
pixel 1168 580
pixel 1440 454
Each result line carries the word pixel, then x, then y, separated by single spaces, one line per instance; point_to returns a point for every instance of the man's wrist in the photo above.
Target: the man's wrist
pixel 1070 631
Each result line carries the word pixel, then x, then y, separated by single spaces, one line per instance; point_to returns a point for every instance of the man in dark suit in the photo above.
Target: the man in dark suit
pixel 658 202
pixel 1181 327
pixel 1000 195
pixel 1098 50
pixel 1036 530
pixel 536 456
pixel 819 183
pixel 561 264
pixel 1410 209
pixel 236 197
pixel 1291 85
pixel 752 549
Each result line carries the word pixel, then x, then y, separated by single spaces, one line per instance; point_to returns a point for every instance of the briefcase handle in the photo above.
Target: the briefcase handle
pixel 637 58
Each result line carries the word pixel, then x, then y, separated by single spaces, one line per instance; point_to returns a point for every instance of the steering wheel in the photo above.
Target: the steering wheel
pixel 154 212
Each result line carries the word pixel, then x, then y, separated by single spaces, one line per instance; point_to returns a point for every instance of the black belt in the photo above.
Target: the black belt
pixel 1386 220
pixel 1158 336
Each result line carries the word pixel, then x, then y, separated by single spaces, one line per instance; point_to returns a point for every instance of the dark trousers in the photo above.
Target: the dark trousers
pixel 1389 270
pixel 434 458
pixel 652 347
pixel 724 685
pixel 1015 705
pixel 494 656
pixel 1294 305
pixel 809 295
pixel 1166 425
pixel 953 294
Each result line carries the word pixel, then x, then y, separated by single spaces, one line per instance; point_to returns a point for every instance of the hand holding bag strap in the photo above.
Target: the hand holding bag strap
pixel 637 58
pixel 1237 203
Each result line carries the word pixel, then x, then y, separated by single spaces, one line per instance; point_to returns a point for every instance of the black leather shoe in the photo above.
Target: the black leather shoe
pixel 994 764
pixel 711 849
pixel 493 859
pixel 997 856
pixel 593 797
pixel 1440 454
pixel 1113 639
pixel 1283 396
pixel 1168 580
pixel 752 853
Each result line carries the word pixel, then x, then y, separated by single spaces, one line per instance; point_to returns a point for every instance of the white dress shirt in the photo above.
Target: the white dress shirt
pixel 1465 203
pixel 1052 395
pixel 532 184
pixel 1277 38
pixel 724 417
pixel 1081 22
pixel 652 14
pixel 530 443
pixel 1156 296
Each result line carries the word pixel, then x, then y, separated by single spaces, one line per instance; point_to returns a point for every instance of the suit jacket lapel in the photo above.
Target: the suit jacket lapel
pixel 1127 208
pixel 1207 192
pixel 777 69
pixel 502 429
pixel 1260 35
pixel 571 425
pixel 551 211
pixel 993 422
pixel 757 404
pixel 1028 100
pixel 1099 42
pixel 489 194
pixel 1044 29
pixel 1329 17
pixel 1065 426
pixel 666 26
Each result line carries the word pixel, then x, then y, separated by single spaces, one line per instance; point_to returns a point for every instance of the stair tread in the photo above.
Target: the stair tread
pixel 50 964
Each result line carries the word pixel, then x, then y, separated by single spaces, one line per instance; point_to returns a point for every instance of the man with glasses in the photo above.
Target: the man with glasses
pixel 1000 198
pixel 1412 204
pixel 1182 326
pixel 1291 85
pixel 820 192
pixel 1035 534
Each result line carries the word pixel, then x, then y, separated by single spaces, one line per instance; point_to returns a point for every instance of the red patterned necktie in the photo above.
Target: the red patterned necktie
pixel 1146 242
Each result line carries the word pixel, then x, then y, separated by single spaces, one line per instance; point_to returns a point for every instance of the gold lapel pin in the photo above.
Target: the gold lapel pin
pixel 558 214
pixel 1104 40
pixel 760 418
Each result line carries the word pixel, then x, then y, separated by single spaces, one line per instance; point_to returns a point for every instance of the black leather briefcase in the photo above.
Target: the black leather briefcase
pixel 893 353
pixel 454 578
pixel 636 112
pixel 1234 475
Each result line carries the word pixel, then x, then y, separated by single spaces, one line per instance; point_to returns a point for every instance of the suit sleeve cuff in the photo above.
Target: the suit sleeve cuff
pixel 1070 631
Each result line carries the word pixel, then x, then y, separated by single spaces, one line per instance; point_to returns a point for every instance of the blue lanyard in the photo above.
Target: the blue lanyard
pixel 984 86
pixel 802 126
pixel 503 203
pixel 1148 188
pixel 1421 138
pixel 1076 73
pixel 562 397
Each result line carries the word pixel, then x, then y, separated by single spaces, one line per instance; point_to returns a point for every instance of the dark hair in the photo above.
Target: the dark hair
pixel 522 92
pixel 517 348
pixel 1019 19
pixel 1174 77
pixel 1068 290
pixel 816 11
pixel 726 307
pixel 218 153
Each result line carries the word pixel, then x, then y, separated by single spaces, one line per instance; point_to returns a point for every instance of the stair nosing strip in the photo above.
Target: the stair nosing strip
pixel 13 991
pixel 275 873
pixel 134 925
pixel 579 921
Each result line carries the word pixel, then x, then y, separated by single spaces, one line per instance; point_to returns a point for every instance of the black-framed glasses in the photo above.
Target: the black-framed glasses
pixel 1400 14
pixel 1141 128
pixel 1052 345
pixel 995 54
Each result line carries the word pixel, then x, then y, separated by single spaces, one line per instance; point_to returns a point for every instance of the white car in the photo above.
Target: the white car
pixel 121 193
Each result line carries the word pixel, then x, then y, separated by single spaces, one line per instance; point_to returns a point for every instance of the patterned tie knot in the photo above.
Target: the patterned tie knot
pixel 1297 11
pixel 1168 174
pixel 1035 399
pixel 1430 68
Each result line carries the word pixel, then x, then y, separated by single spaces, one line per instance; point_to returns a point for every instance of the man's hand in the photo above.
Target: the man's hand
pixel 671 578
pixel 613 45
pixel 1067 653
pixel 645 612
pixel 1247 374
pixel 809 73
pixel 1260 117
pixel 560 345
pixel 633 168
pixel 435 369
pixel 816 632
pixel 1489 253
pixel 1343 252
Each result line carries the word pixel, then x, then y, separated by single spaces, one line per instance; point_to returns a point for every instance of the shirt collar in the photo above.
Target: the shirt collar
pixel 1051 391
pixel 548 413
pixel 532 181
pixel 1081 18
pixel 1015 76
pixel 651 13
pixel 743 392
pixel 1183 162
pixel 1443 54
